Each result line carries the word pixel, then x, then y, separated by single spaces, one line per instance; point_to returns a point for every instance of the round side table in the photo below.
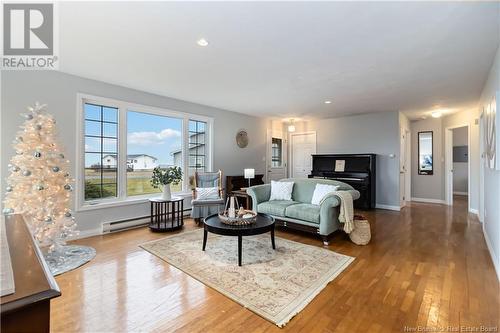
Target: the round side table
pixel 166 215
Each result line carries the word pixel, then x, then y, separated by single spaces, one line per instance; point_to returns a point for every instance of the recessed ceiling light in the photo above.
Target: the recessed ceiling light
pixel 436 114
pixel 202 42
pixel 328 102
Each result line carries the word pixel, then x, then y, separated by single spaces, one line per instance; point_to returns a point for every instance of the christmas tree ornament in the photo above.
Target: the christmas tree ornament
pixel 7 211
pixel 42 193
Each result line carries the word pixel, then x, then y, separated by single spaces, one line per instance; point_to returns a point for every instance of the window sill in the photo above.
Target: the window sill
pixel 126 202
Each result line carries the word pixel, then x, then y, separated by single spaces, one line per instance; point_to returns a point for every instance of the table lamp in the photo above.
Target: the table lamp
pixel 249 174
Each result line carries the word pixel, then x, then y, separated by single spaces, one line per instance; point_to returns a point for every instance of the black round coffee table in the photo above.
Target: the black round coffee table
pixel 263 224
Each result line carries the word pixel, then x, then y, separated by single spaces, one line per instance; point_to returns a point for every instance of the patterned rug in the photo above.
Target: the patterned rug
pixel 275 284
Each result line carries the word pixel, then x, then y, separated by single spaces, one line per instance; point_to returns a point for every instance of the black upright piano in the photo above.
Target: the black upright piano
pixel 359 172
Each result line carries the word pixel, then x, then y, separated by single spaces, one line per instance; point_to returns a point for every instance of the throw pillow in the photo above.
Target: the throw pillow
pixel 207 193
pixel 321 191
pixel 281 190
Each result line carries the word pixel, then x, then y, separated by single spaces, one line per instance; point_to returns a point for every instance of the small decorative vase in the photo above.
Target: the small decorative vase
pixel 166 194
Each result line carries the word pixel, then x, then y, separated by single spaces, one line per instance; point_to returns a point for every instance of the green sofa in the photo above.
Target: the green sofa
pixel 299 213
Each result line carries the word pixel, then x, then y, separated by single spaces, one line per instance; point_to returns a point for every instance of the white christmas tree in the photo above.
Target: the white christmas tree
pixel 39 185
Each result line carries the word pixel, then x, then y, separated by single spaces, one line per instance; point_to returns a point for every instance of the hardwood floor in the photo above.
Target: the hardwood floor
pixel 427 265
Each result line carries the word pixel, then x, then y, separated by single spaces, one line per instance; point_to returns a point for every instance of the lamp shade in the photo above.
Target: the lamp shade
pixel 249 173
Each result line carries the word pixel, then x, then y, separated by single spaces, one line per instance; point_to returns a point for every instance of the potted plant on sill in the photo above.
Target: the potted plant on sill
pixel 164 177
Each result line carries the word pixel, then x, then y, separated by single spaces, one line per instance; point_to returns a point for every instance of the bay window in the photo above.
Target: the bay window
pixel 121 143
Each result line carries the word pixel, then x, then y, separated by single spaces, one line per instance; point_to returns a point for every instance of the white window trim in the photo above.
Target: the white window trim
pixel 123 107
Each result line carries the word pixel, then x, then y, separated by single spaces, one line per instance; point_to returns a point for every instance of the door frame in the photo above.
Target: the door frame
pixel 290 140
pixel 482 165
pixel 448 163
pixel 406 166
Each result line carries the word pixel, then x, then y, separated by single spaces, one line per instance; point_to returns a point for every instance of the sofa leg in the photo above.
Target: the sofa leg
pixel 325 239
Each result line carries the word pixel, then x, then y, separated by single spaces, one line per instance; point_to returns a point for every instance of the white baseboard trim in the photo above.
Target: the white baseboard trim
pixel 460 193
pixel 436 201
pixel 494 258
pixel 388 207
pixel 87 234
pixel 474 211
pixel 98 231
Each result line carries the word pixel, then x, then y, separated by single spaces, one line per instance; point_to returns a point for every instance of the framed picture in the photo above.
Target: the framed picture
pixel 425 153
pixel 491 133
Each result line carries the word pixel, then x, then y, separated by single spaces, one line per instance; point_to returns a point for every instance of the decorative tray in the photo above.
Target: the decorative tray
pixel 242 217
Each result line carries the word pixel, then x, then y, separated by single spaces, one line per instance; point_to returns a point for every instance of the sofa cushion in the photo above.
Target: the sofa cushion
pixel 303 211
pixel 303 189
pixel 275 207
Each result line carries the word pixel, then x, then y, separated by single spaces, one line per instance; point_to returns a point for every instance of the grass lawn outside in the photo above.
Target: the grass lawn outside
pixel 138 183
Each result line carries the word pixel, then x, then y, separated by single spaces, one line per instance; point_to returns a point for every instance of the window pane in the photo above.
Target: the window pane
pixel 152 141
pixel 92 144
pixel 93 128
pixel 110 130
pixel 197 156
pixel 110 114
pixel 93 161
pixel 109 190
pixel 109 176
pixel 92 111
pixel 109 145
pixel 100 166
pixel 276 152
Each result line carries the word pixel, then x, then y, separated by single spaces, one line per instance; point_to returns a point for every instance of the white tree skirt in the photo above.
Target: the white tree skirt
pixel 69 258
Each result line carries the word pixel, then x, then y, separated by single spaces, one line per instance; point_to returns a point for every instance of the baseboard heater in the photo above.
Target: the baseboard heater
pixel 126 224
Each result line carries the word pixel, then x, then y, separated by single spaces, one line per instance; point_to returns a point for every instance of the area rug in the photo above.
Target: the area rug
pixel 275 284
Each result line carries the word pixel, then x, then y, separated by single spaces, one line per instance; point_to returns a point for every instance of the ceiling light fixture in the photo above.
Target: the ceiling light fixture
pixel 291 127
pixel 436 114
pixel 202 42
pixel 328 102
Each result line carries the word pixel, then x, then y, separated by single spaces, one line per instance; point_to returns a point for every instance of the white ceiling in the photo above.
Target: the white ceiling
pixel 286 59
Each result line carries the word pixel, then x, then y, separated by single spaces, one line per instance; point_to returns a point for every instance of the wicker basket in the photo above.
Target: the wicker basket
pixel 361 234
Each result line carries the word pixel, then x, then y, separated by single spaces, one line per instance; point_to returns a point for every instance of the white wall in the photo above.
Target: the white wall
pixel 427 186
pixel 433 187
pixel 367 133
pixel 491 224
pixel 460 169
pixel 22 88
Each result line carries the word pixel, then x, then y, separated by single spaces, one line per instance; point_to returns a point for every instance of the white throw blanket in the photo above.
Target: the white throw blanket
pixel 346 215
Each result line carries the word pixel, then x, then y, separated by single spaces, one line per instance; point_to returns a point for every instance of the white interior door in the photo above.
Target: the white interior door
pixel 303 146
pixel 276 155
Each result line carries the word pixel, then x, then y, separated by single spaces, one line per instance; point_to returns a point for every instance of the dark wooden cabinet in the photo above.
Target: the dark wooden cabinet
pixel 28 308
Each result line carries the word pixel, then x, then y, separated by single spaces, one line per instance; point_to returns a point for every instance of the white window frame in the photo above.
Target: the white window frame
pixel 123 107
